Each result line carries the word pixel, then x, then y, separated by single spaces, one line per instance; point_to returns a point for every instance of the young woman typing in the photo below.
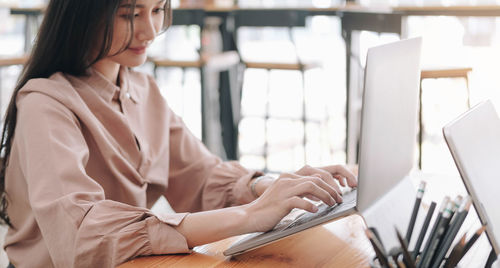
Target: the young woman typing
pixel 89 145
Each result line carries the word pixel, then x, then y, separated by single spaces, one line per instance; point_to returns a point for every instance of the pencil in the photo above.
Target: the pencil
pixel 473 239
pixel 400 262
pixel 433 232
pixel 452 232
pixel 456 205
pixel 416 207
pixel 394 260
pixel 423 230
pixel 434 241
pixel 457 202
pixel 455 254
pixel 407 258
pixel 382 258
pixel 375 232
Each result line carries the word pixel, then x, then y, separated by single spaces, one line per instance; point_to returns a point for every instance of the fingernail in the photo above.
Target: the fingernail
pixel 332 201
pixel 315 208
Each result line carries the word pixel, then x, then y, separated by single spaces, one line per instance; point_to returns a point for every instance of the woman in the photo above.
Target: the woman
pixel 89 145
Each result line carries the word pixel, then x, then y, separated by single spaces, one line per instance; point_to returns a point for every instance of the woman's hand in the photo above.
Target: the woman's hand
pixel 330 174
pixel 287 192
pixel 277 199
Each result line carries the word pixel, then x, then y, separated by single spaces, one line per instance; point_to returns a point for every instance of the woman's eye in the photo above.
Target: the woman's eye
pixel 128 16
pixel 158 10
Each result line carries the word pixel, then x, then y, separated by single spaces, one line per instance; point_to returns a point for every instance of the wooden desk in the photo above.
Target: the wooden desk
pixel 340 243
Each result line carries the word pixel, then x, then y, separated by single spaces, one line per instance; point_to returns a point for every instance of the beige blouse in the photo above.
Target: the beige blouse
pixel 89 159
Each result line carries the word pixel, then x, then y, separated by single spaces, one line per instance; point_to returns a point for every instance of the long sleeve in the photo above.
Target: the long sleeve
pixel 80 228
pixel 198 180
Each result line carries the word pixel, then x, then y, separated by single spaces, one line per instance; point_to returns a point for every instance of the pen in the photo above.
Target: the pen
pixel 432 234
pixel 406 255
pixel 434 242
pixel 455 254
pixel 452 232
pixel 423 230
pixel 381 256
pixel 416 206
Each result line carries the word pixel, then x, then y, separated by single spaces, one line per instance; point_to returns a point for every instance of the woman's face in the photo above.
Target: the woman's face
pixel 148 17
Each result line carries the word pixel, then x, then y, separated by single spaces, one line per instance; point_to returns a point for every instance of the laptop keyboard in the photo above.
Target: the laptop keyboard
pixel 294 219
pixel 349 199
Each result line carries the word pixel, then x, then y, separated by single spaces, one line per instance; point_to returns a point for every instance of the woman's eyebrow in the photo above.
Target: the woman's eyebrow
pixel 128 5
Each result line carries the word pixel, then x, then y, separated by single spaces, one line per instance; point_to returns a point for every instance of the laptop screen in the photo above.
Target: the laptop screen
pixel 474 142
pixel 389 118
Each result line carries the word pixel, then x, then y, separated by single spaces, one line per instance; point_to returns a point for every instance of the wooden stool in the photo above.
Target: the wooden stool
pixel 301 67
pixel 280 19
pixel 453 72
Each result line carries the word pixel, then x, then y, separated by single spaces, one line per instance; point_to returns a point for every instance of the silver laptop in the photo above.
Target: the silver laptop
pixel 387 142
pixel 474 142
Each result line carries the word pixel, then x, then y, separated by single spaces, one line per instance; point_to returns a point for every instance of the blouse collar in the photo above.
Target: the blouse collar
pixel 108 90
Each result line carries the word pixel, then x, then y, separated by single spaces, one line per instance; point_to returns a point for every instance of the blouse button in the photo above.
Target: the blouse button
pixel 127 95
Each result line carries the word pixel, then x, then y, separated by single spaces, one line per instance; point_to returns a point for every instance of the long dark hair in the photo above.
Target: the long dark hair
pixel 66 42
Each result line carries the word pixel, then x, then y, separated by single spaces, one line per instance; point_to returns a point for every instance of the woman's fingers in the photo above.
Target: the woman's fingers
pixel 324 174
pixel 318 188
pixel 343 172
pixel 297 202
pixel 329 178
pixel 290 175
pixel 312 197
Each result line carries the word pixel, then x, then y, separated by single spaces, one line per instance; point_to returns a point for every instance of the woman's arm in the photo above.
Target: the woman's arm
pixel 261 215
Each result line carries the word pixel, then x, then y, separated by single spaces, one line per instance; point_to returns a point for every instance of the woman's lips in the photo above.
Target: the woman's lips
pixel 138 50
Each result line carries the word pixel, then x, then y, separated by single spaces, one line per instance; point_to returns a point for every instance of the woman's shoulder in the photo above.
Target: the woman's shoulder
pixel 55 85
pixel 56 88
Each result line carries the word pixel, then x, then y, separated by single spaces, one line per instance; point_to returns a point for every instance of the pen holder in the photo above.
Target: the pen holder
pixel 439 241
pixel 394 257
pixel 397 261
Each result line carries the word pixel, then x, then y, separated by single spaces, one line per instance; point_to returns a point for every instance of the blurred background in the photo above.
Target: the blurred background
pixel 287 118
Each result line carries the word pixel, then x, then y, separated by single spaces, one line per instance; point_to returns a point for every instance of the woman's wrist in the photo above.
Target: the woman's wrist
pixel 259 185
pixel 209 226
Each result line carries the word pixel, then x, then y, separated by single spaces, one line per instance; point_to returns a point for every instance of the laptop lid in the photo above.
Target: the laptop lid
pixel 389 118
pixel 474 142
pixel 391 86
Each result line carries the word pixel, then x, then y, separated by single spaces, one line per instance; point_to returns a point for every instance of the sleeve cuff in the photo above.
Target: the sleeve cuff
pixel 241 190
pixel 163 238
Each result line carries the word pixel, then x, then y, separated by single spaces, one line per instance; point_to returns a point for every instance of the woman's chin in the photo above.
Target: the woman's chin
pixel 134 63
pixel 132 60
